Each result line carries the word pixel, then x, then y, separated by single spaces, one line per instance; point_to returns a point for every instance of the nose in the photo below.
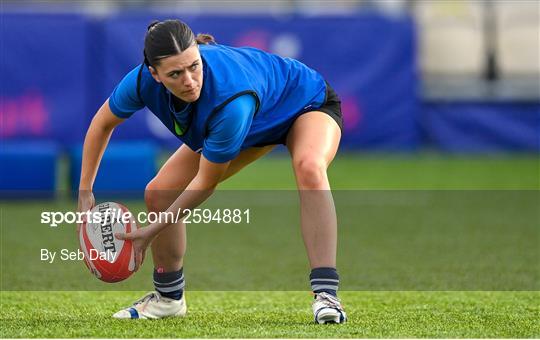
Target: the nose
pixel 188 80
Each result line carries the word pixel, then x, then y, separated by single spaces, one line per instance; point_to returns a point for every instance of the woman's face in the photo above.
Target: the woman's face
pixel 181 74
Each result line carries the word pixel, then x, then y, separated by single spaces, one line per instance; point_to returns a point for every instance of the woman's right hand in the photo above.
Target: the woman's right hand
pixel 86 203
pixel 96 141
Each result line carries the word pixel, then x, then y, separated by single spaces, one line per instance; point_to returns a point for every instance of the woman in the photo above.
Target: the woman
pixel 229 106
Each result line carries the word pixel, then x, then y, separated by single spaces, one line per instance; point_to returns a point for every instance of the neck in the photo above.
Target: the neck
pixel 178 103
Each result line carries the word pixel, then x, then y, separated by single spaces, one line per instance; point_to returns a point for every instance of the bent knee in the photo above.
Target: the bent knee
pixel 310 173
pixel 158 198
pixel 151 195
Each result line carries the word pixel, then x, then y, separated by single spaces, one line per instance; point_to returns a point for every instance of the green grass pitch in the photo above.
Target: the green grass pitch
pixel 469 313
pixel 277 314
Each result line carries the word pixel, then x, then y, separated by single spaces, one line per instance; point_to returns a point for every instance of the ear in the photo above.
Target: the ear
pixel 154 74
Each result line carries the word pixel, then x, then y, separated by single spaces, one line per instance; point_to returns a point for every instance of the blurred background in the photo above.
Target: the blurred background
pixel 439 77
pixel 441 101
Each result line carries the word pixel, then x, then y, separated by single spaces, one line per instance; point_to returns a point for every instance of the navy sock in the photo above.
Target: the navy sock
pixel 324 279
pixel 170 284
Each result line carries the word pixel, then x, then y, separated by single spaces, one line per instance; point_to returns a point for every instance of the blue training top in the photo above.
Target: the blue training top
pixel 249 98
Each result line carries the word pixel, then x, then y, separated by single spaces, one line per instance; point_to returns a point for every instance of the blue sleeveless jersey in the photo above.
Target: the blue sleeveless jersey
pixel 283 89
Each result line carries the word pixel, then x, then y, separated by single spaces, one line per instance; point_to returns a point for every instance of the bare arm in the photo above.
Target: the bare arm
pixel 96 140
pixel 198 190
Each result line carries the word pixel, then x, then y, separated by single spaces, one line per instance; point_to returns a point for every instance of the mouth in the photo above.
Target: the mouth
pixel 188 92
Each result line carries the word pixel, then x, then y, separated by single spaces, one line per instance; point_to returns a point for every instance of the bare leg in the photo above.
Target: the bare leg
pixel 313 142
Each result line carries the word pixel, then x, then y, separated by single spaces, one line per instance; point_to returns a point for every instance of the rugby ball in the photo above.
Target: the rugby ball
pixel 108 258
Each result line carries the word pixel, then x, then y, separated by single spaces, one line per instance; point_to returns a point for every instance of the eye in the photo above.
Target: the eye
pixel 174 74
pixel 193 67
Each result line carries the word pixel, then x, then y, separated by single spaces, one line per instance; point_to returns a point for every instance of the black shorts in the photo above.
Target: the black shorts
pixel 331 106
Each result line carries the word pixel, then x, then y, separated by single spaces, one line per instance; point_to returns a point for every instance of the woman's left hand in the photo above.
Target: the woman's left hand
pixel 141 239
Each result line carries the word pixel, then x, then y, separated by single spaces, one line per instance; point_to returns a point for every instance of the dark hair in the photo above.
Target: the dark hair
pixel 170 37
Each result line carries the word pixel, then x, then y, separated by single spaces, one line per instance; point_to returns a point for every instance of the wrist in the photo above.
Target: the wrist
pixel 85 192
pixel 85 184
